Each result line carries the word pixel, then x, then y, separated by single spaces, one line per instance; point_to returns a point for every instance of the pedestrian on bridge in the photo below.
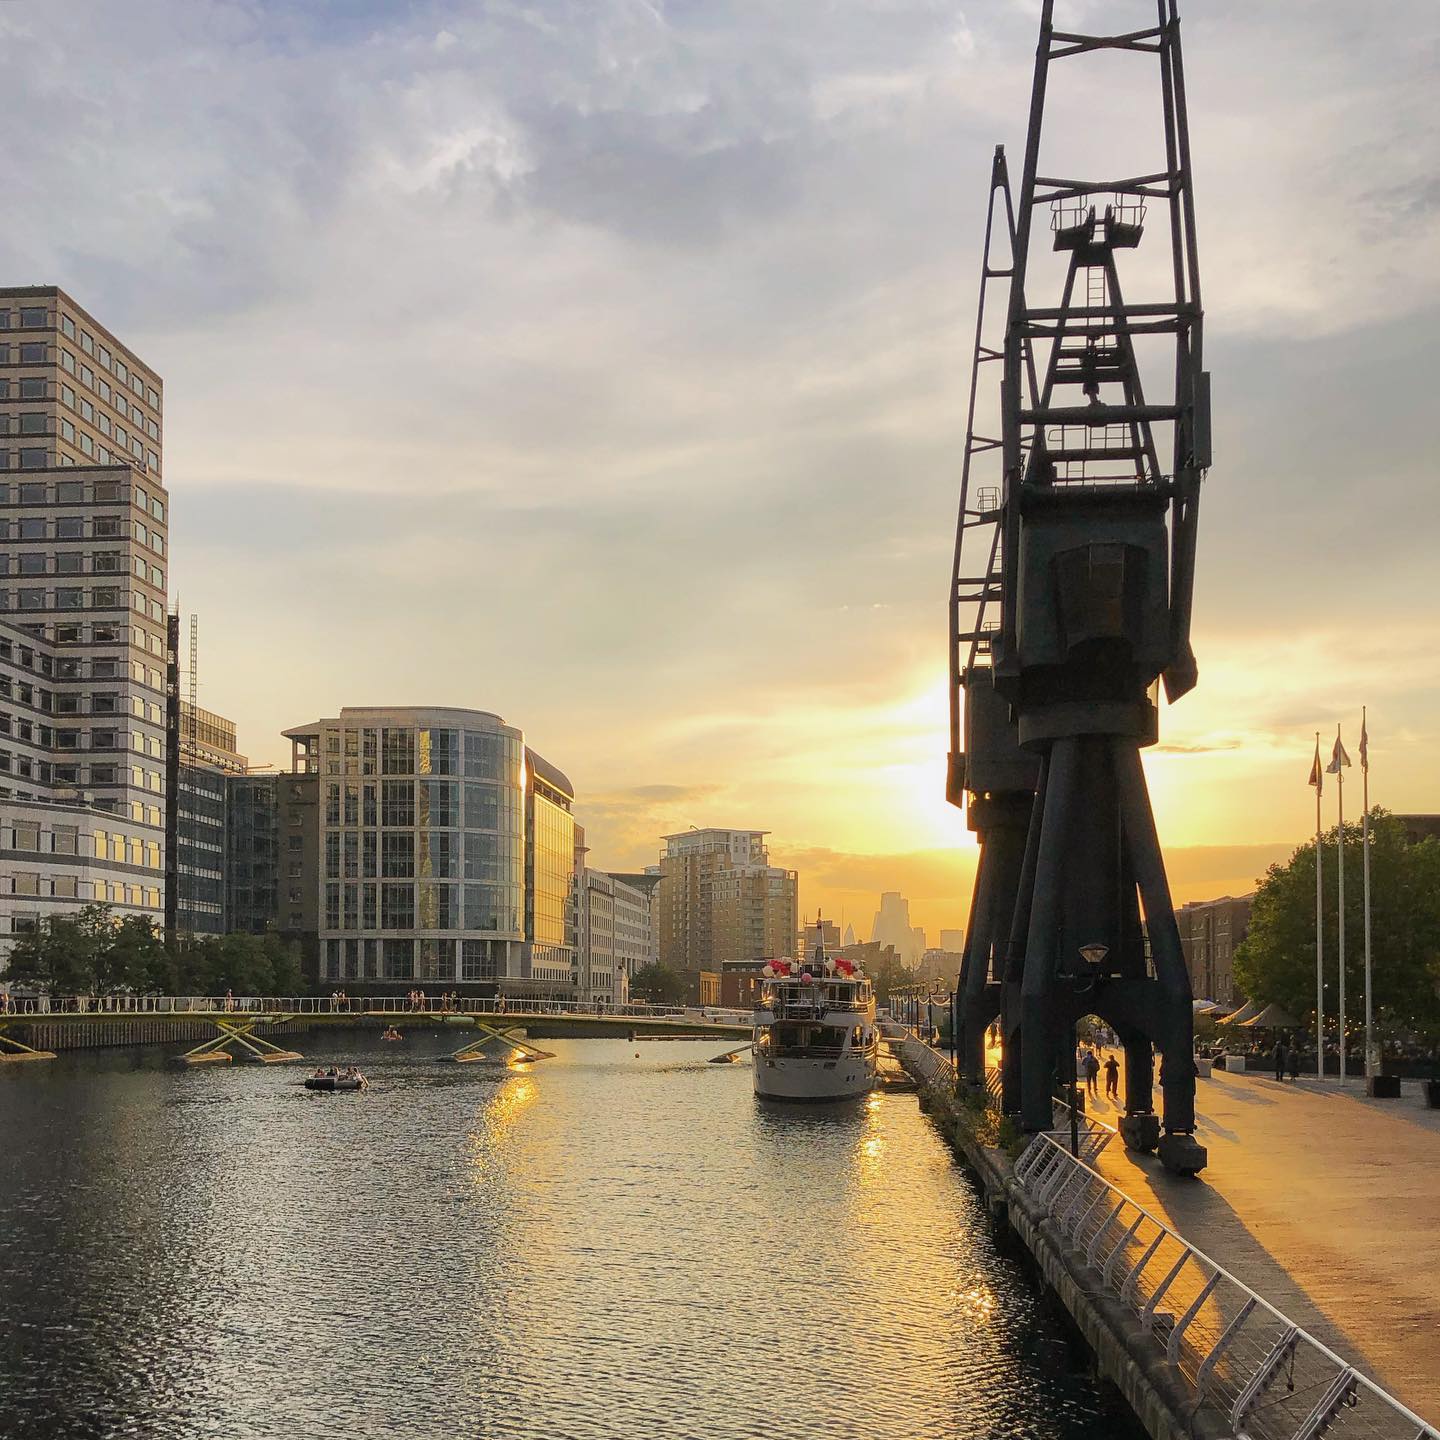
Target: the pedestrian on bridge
pixel 1091 1069
pixel 1282 1059
pixel 1112 1079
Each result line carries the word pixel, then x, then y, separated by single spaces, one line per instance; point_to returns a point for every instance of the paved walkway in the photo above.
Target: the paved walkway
pixel 1325 1202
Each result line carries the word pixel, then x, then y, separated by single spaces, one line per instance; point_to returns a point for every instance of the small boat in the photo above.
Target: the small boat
pixel 815 1033
pixel 337 1082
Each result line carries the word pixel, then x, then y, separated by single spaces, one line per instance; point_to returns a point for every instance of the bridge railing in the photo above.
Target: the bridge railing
pixel 1232 1349
pixel 101 1005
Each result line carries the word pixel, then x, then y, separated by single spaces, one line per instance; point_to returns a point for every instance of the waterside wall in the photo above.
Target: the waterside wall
pixel 1124 1354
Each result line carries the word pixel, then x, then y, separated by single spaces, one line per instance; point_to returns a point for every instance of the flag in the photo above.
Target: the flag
pixel 1364 745
pixel 1338 758
pixel 1317 775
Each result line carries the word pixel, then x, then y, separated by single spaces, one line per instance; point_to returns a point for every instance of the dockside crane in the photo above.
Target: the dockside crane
pixel 1089 583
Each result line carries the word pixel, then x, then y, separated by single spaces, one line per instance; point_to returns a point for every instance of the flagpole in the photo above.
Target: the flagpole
pixel 1319 920
pixel 1365 862
pixel 1340 898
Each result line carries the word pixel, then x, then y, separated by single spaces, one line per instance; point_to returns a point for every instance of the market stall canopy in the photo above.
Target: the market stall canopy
pixel 1248 1009
pixel 1272 1017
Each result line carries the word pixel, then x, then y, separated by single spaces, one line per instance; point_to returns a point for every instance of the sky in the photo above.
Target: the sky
pixel 603 363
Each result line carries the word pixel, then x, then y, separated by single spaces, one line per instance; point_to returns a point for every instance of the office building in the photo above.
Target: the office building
pixel 207 758
pixel 1210 931
pixel 828 933
pixel 253 863
pixel 439 852
pixel 892 927
pixel 721 900
pixel 953 940
pixel 616 934
pixel 84 542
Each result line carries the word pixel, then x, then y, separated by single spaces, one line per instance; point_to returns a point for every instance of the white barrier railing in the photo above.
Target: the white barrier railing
pixel 40 1006
pixel 1232 1349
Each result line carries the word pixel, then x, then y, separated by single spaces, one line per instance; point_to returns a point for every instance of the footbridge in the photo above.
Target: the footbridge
pixel 494 1029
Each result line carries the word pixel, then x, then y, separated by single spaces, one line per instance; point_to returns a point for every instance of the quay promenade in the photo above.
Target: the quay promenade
pixel 1324 1202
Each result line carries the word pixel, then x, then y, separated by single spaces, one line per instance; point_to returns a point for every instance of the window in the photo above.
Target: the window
pixel 103 356
pixel 31 563
pixel 35 355
pixel 33 389
pixel 397 907
pixel 70 492
pixel 32 423
pixel 32 459
pixel 398 854
pixel 67 430
pixel 27 835
pixel 87 342
pixel 153 397
pixel 398 755
pixel 32 319
pixel 67 326
pixel 399 959
pixel 397 804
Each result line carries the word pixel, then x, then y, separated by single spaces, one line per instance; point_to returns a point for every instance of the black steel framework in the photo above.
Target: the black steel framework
pixel 1090 562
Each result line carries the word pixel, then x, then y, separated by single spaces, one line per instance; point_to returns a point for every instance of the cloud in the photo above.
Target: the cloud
pixel 604 364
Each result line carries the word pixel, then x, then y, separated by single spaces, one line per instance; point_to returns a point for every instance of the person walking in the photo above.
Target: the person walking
pixel 1282 1056
pixel 1092 1072
pixel 1112 1079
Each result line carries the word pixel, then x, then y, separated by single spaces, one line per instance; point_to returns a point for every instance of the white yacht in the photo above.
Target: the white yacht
pixel 815 1035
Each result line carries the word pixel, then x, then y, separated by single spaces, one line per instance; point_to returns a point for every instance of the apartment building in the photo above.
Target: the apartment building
pixel 720 900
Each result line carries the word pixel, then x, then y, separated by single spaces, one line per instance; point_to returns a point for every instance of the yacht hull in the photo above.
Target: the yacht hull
pixel 814 1081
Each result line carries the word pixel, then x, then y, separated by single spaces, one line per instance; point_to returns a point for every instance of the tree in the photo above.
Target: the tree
pixel 658 984
pixel 1276 962
pixel 62 957
pixel 283 958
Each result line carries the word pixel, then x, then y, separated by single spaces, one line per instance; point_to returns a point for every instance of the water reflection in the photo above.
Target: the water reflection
pixel 599 1245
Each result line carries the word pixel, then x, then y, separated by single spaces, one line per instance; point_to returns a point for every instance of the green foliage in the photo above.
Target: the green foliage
pixel 95 952
pixel 1276 962
pixel 658 984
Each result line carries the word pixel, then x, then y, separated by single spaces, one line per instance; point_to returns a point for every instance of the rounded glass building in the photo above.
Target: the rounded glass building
pixel 444 852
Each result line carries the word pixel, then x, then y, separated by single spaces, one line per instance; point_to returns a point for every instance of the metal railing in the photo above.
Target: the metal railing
pixel 1230 1348
pixel 42 1006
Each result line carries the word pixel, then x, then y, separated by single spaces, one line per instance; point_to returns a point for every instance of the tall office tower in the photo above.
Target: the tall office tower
pixel 207 757
pixel 892 927
pixel 84 541
pixel 952 940
pixel 721 900
pixel 443 852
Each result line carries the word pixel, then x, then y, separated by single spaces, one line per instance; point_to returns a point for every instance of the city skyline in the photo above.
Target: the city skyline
pixel 707 561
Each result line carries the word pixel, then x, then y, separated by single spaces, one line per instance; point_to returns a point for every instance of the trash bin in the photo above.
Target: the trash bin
pixel 1432 1094
pixel 1383 1087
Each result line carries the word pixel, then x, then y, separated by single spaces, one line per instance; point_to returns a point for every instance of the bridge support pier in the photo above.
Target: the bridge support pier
pixel 241 1033
pixel 501 1037
pixel 13 1051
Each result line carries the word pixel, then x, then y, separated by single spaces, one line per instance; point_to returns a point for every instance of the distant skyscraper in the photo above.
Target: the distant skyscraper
pixel 892 927
pixel 849 938
pixel 721 900
pixel 953 940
